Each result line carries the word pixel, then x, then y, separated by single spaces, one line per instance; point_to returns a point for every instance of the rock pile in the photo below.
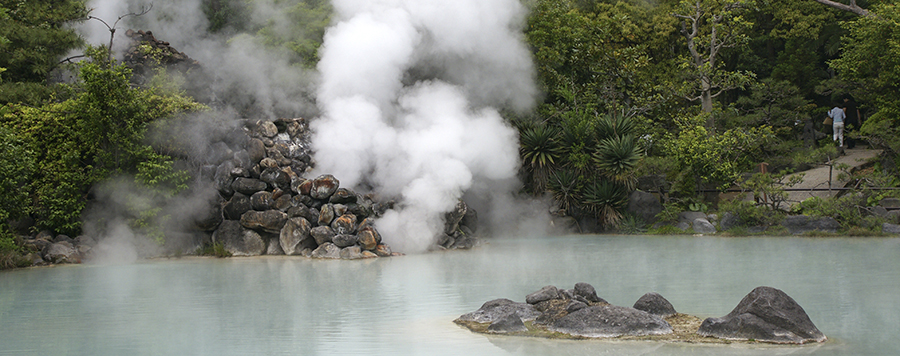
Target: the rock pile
pixel 765 315
pixel 145 52
pixel 268 207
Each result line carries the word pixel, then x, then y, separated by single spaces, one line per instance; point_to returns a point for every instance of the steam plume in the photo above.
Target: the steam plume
pixel 409 96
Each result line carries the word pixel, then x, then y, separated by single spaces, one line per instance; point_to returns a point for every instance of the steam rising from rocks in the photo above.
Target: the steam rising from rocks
pixel 409 97
pixel 408 94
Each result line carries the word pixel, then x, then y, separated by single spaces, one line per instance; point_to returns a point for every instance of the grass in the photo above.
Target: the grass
pixel 216 249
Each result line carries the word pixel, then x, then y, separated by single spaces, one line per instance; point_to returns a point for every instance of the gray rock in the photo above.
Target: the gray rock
pixel 587 292
pixel 344 224
pixel 765 314
pixel 326 215
pixel 644 205
pixel 261 201
pixel 223 178
pixel 351 253
pixel 453 217
pixel 276 178
pixel 368 238
pixel 237 206
pixel 546 293
pixel 60 252
pixel 322 234
pixel 273 246
pixel 239 241
pixel 511 323
pixel 728 221
pixel 266 128
pixel 690 216
pixel 270 221
pixel 610 321
pixel 343 196
pixel 257 150
pixel 703 226
pixel 295 236
pixel 470 221
pixel 499 308
pixel 890 228
pixel 248 186
pixel 344 240
pixel 327 250
pixel 683 225
pixel 323 187
pixel 655 304
pixel 798 224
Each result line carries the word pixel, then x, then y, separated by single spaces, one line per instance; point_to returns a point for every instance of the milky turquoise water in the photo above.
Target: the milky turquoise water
pixel 405 306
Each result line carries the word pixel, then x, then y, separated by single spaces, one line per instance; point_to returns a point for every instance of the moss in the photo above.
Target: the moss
pixel 684 329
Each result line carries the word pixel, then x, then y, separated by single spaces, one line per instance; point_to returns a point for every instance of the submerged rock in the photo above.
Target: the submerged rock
pixel 765 314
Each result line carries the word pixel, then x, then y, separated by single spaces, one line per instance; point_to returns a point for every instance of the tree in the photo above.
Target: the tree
pixel 37 34
pixel 708 26
pixel 851 7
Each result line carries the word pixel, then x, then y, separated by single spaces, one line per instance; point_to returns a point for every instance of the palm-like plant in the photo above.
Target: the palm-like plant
pixel 606 199
pixel 617 157
pixel 565 188
pixel 540 153
pixel 612 126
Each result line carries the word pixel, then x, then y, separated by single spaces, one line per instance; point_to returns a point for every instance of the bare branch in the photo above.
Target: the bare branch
pixel 852 7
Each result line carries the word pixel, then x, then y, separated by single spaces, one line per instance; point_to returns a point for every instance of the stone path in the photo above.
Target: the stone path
pixel 819 177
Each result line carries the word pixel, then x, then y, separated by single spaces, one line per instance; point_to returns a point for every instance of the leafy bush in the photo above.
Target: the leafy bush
pixel 751 214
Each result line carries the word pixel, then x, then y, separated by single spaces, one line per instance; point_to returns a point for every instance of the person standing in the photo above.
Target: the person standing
pixel 837 123
pixel 852 120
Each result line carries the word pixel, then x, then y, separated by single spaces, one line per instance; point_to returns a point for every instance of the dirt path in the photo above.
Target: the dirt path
pixel 819 177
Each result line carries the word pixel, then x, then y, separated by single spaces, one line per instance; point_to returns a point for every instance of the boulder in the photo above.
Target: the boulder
pixel 546 293
pixel 703 226
pixel 655 304
pixel 587 292
pixel 345 224
pixel 511 323
pixel 344 240
pixel 368 238
pixel 453 217
pixel 276 178
pixel 798 224
pixel 326 215
pixel 765 314
pixel 295 236
pixel 323 187
pixel 248 186
pixel 690 216
pixel 351 253
pixel 610 321
pixel 261 201
pixel 266 128
pixel 239 241
pixel 327 250
pixel 237 206
pixel 223 178
pixel 728 221
pixel 270 221
pixel 343 196
pixel 60 252
pixel 497 309
pixel 256 149
pixel 301 186
pixel 322 234
pixel 890 203
pixel 383 250
pixel 890 228
pixel 644 205
pixel 470 220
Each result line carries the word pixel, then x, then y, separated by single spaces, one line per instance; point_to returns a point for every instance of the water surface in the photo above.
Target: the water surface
pixel 405 305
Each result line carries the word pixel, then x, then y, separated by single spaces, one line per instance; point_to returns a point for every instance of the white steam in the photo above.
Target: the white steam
pixel 409 97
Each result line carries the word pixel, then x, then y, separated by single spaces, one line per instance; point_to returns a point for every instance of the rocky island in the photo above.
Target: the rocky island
pixel 765 315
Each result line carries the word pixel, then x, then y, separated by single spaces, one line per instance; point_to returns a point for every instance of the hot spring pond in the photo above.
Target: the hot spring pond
pixel 406 305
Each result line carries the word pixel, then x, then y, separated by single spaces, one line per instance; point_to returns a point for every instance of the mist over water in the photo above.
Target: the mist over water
pixel 410 94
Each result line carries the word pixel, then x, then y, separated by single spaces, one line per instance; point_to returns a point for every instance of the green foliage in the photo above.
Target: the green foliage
pixel 716 159
pixel 17 166
pixel 97 134
pixel 540 152
pixel 769 189
pixel 35 35
pixel 750 213
pixel 848 210
pixel 606 200
pixel 300 30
